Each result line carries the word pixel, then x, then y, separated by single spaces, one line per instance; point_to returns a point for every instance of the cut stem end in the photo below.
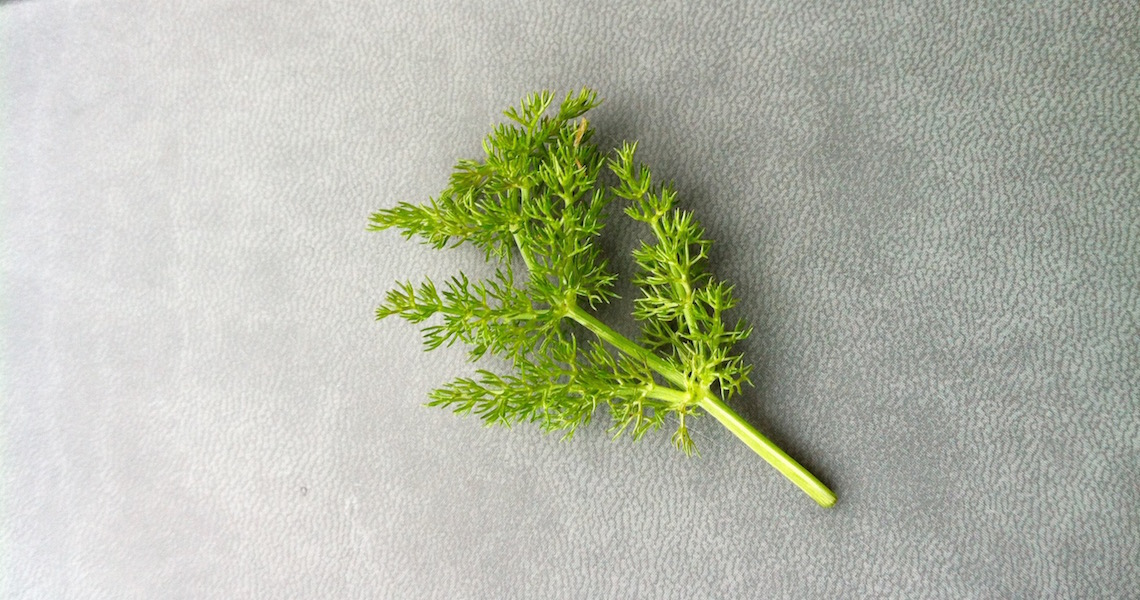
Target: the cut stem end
pixel 768 451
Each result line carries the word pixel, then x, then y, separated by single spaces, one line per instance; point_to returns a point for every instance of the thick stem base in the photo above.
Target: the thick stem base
pixel 715 407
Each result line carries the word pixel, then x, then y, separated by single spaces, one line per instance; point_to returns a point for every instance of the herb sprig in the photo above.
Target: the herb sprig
pixel 536 195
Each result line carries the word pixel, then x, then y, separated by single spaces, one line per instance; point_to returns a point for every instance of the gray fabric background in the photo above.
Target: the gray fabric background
pixel 930 211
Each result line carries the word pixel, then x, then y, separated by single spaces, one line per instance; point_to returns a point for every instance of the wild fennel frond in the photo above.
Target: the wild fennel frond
pixel 536 195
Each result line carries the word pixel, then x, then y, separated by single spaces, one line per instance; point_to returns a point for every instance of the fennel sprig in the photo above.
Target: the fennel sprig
pixel 536 195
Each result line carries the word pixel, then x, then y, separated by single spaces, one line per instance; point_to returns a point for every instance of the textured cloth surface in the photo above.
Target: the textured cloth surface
pixel 929 211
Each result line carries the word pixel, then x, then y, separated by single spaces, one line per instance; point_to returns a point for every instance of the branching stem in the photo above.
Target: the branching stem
pixel 624 344
pixel 713 405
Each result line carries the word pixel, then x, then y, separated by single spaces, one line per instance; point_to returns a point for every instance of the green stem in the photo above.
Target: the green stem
pixel 668 394
pixel 527 258
pixel 768 450
pixel 714 406
pixel 626 345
